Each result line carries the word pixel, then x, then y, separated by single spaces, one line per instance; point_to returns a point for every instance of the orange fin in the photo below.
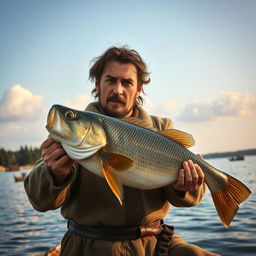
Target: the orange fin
pixel 114 184
pixel 227 200
pixel 116 161
pixel 183 138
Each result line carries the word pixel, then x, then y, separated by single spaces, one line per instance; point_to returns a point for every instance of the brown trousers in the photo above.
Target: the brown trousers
pixel 74 245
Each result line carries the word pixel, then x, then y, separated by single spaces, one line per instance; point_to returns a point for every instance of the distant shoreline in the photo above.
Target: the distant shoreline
pixel 15 168
pixel 245 152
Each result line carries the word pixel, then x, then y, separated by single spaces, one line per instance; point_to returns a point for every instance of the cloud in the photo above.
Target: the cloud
pixel 19 104
pixel 166 107
pixel 80 102
pixel 229 104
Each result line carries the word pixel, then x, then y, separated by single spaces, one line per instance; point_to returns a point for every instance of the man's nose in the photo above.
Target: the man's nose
pixel 118 88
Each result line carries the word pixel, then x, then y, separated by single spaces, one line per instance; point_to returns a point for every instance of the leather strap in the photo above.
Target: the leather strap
pixel 114 233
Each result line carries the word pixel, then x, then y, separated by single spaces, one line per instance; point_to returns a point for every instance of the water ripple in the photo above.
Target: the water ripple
pixel 25 231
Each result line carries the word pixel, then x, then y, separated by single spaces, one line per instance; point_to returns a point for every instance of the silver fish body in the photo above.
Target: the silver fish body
pixel 127 154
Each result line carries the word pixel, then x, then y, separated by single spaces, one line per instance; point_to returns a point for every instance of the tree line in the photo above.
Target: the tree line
pixel 24 156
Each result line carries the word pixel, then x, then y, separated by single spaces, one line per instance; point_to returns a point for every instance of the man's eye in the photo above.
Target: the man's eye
pixel 127 83
pixel 110 80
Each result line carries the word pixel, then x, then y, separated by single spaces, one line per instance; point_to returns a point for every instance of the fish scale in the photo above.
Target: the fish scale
pixel 166 155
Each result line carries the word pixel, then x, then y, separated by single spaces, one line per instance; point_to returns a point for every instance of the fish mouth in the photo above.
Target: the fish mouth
pixel 51 118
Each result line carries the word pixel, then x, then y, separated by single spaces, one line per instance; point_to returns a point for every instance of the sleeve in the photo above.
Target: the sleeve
pixel 162 123
pixel 184 199
pixel 41 190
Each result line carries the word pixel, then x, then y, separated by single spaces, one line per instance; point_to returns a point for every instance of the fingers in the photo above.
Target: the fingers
pixel 190 177
pixel 55 156
pixel 48 142
pixel 200 174
pixel 181 179
pixel 187 176
pixel 193 175
pixel 200 155
pixel 60 163
pixel 53 152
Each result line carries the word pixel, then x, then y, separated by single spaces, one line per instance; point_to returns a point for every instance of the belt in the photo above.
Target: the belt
pixel 115 233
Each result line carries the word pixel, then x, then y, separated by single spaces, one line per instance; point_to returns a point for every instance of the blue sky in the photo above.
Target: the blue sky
pixel 201 55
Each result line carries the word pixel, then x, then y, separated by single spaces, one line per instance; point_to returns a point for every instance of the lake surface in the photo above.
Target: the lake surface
pixel 24 231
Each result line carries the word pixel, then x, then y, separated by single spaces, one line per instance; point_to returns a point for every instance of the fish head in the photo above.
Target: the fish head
pixel 79 132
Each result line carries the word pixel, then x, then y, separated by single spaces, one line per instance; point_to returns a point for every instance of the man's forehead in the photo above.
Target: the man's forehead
pixel 116 69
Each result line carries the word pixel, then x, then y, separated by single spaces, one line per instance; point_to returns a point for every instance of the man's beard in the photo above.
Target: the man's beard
pixel 118 114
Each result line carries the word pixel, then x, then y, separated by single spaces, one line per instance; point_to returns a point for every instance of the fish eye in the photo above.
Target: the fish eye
pixel 69 114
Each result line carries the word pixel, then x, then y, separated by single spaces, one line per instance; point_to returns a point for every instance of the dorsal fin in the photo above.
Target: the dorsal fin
pixel 140 123
pixel 184 139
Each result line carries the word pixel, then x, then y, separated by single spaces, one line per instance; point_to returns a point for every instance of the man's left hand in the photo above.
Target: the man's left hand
pixel 190 177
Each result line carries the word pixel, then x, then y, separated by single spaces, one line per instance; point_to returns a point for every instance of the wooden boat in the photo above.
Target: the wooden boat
pixel 54 251
pixel 18 178
pixel 236 158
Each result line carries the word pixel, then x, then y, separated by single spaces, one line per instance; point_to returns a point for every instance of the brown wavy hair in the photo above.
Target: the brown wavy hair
pixel 121 55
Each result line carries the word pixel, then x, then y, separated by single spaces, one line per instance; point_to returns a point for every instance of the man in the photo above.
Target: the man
pixel 98 224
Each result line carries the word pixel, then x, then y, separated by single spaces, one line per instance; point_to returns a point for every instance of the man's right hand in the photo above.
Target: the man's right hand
pixel 57 159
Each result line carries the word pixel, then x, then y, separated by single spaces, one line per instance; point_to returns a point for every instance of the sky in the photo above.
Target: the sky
pixel 201 55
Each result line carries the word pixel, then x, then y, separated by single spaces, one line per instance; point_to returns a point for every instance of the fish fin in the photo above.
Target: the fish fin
pixel 228 199
pixel 182 138
pixel 116 161
pixel 141 123
pixel 114 183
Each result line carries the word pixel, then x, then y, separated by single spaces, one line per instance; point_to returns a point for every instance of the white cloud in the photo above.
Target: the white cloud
pixel 166 107
pixel 229 104
pixel 80 102
pixel 20 104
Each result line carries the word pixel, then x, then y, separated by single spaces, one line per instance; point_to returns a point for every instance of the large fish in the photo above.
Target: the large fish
pixel 132 153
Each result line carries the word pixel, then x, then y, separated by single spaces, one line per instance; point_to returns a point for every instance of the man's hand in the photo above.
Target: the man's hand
pixel 57 159
pixel 190 177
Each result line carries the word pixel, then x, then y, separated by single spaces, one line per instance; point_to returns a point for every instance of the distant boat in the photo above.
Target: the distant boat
pixel 18 178
pixel 236 158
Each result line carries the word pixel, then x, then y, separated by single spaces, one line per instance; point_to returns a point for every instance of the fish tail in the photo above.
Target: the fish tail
pixel 227 199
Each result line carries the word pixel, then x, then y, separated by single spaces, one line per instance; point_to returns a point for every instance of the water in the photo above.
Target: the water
pixel 24 231
pixel 201 225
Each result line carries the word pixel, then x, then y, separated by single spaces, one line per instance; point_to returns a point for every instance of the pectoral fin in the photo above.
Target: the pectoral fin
pixel 184 139
pixel 114 183
pixel 116 161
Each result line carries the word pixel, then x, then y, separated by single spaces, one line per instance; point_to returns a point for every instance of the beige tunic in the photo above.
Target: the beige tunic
pixel 87 199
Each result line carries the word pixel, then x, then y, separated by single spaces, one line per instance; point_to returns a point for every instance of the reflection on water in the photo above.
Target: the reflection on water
pixel 25 231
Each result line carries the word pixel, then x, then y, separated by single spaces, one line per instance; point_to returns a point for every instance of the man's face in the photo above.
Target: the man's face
pixel 118 89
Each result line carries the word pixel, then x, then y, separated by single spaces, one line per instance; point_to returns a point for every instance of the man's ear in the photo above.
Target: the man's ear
pixel 97 86
pixel 138 92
